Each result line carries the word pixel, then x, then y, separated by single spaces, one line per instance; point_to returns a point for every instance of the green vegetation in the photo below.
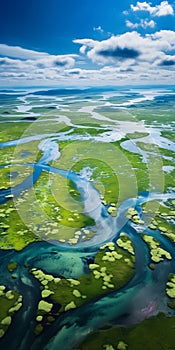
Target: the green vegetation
pixel 124 242
pixel 153 115
pixel 53 209
pixel 169 135
pixel 11 176
pixel 132 215
pixel 116 114
pixel 10 303
pixel 157 253
pixel 109 167
pixel 13 232
pixel 56 197
pixel 154 333
pixel 112 268
pixel 93 131
pixel 103 177
pixel 152 266
pixel 155 156
pixel 170 290
pixel 12 131
pixel 79 118
pixel 136 135
pixel 20 154
pixel 112 210
pixel 160 217
pixel 139 169
pixel 12 265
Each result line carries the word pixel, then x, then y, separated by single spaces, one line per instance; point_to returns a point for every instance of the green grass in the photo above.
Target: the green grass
pixel 20 154
pixel 57 198
pixel 111 169
pixel 169 135
pixel 91 131
pixel 21 173
pixel 103 177
pixel 136 135
pixel 79 118
pixel 12 131
pixel 13 232
pixel 115 115
pixel 154 333
pixel 153 116
pixel 139 169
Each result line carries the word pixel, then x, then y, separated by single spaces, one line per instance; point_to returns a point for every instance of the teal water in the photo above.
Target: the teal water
pixel 124 307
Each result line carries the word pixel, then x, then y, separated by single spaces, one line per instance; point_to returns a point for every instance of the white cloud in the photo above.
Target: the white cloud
pixel 163 9
pixel 60 61
pixel 98 29
pixel 19 52
pixel 131 25
pixel 86 42
pixel 19 63
pixel 131 49
pixel 126 13
pixel 144 23
pixel 125 58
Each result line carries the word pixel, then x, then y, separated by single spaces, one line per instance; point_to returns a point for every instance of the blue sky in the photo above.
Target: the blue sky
pixel 80 42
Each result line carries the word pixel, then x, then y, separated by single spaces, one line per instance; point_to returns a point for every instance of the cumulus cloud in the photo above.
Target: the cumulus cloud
pixel 144 23
pixel 60 61
pixel 133 54
pixel 163 9
pixel 116 48
pixel 125 58
pixel 129 45
pixel 17 62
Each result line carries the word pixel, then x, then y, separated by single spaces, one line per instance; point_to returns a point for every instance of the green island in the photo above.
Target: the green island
pixel 157 253
pixel 132 215
pixel 154 332
pixel 112 268
pixel 160 217
pixel 10 303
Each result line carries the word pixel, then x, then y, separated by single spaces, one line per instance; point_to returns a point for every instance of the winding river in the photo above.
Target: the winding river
pixel 135 301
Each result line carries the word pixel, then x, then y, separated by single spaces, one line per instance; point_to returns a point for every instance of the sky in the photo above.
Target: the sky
pixel 87 43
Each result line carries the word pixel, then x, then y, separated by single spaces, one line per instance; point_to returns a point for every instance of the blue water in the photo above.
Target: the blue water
pixel 61 259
